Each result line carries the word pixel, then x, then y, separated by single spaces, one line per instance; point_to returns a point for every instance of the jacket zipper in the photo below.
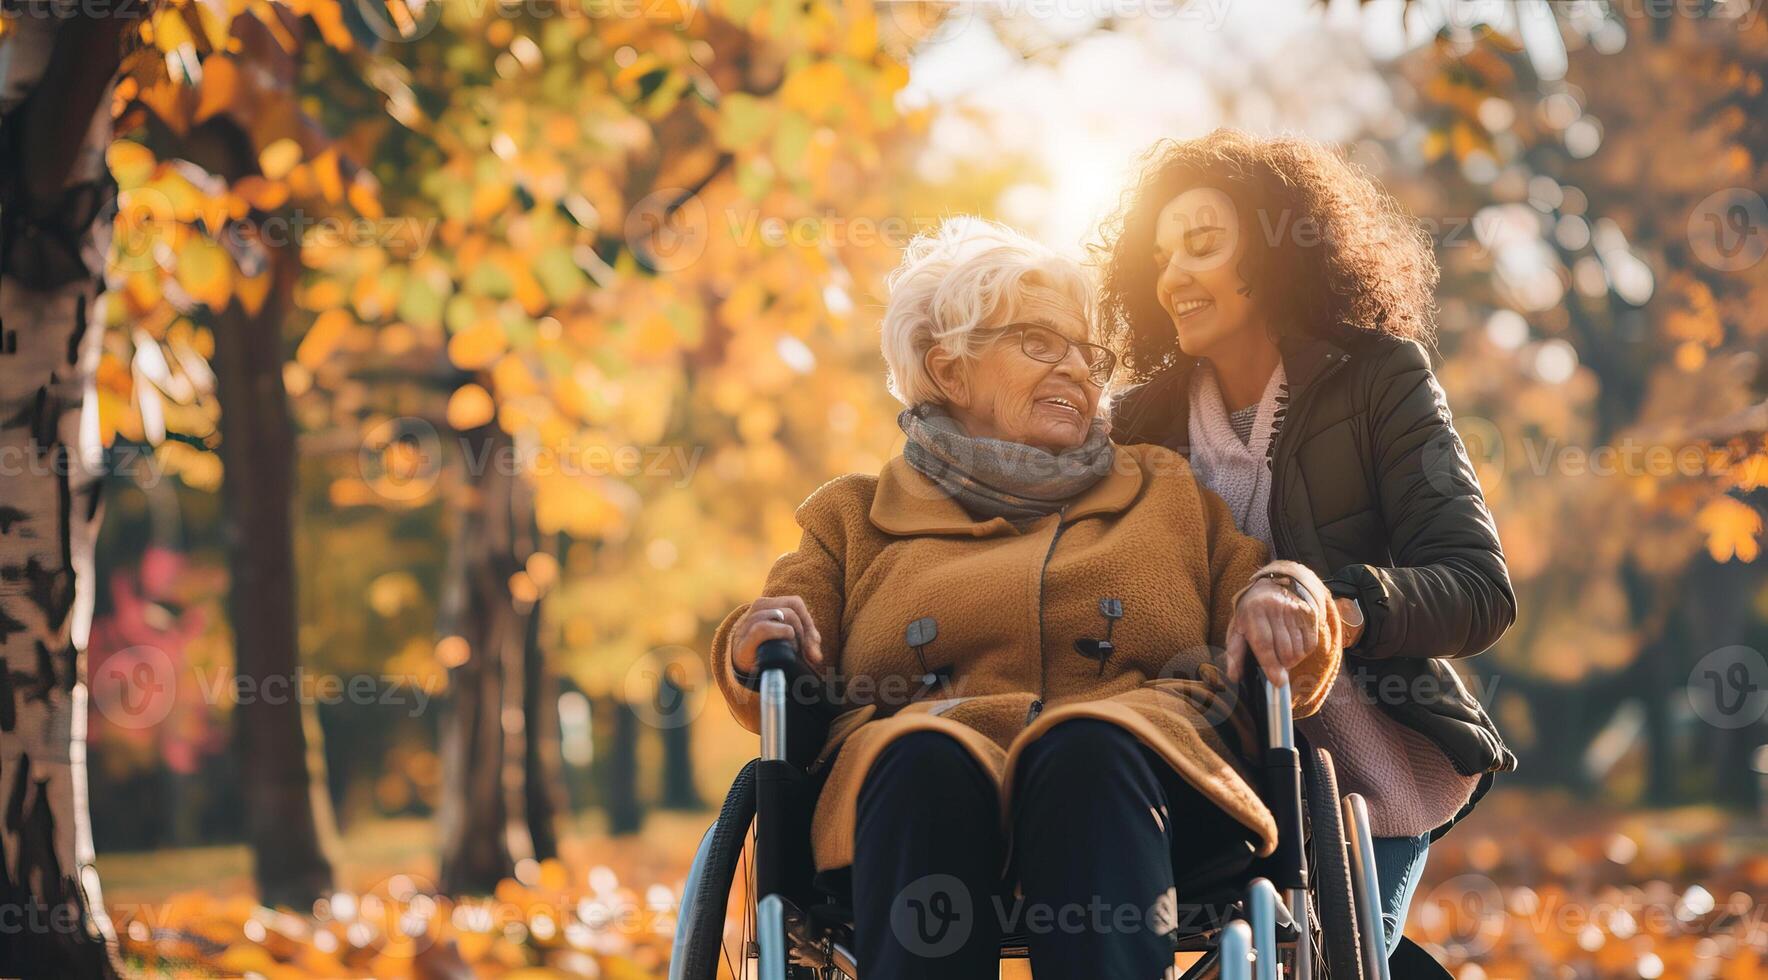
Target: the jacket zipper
pixel 1038 704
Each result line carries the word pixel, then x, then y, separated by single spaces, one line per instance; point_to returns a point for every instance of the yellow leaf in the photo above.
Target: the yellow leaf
pixel 815 90
pixel 326 174
pixel 322 338
pixel 205 272
pixel 265 195
pixel 170 32
pixel 220 85
pixel 329 17
pixel 252 292
pixel 1732 527
pixel 142 289
pixel 279 158
pixel 130 163
pixel 489 198
pixel 477 346
pixel 364 196
pixel 470 407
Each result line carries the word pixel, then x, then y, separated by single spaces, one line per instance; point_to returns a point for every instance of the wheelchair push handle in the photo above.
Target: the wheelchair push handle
pixel 781 655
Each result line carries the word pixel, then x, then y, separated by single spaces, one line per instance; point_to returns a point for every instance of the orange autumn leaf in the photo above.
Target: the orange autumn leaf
pixel 470 407
pixel 1731 527
pixel 477 346
pixel 279 158
pixel 322 338
pixel 251 292
pixel 219 88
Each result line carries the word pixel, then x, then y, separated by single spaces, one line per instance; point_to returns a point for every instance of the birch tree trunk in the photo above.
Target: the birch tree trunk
pixel 55 79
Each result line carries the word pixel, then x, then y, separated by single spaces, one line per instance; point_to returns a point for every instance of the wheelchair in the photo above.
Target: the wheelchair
pixel 752 902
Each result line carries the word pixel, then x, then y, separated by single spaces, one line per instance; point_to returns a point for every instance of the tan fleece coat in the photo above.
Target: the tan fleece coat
pixel 880 553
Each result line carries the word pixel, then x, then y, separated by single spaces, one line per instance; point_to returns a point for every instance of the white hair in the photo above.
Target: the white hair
pixel 966 275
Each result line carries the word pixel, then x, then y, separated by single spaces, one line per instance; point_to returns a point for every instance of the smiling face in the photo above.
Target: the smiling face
pixel 1197 247
pixel 1005 393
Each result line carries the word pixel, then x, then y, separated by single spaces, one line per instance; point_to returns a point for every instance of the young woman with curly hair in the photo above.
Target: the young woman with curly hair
pixel 1274 306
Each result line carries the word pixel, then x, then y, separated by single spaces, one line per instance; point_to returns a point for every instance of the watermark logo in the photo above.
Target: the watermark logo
pixel 1468 912
pixel 401 458
pixel 1728 688
pixel 667 687
pixel 1728 229
pixel 667 229
pixel 136 687
pixel 933 916
pixel 399 21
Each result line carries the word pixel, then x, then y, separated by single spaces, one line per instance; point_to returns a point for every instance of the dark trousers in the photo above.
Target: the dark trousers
pixel 1099 824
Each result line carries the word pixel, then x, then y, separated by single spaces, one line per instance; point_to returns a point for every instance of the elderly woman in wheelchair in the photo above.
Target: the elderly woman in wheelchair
pixel 1031 641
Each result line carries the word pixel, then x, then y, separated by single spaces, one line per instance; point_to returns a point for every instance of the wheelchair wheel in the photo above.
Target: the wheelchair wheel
pixel 1335 909
pixel 699 936
pixel 721 887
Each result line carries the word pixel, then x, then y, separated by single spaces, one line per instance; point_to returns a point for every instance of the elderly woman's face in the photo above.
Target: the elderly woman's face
pixel 1008 393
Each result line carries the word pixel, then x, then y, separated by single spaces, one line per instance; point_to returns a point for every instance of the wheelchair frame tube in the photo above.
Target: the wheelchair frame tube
pixel 770 936
pixel 1261 902
pixel 1365 886
pixel 1283 771
pixel 773 715
pixel 1279 719
pixel 1236 951
pixel 1303 967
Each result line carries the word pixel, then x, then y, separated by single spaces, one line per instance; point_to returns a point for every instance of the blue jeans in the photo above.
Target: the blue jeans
pixel 1399 863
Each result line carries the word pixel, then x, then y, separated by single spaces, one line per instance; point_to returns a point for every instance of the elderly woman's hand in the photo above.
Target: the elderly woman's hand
pixel 775 618
pixel 1277 625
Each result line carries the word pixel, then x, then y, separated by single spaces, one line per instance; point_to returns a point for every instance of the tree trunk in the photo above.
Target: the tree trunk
pixel 619 768
pixel 1720 615
pixel 289 820
pixel 679 791
pixel 483 816
pixel 54 193
pixel 544 775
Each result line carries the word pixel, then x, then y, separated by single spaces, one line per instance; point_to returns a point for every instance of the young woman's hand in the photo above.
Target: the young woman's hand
pixel 1276 625
pixel 775 618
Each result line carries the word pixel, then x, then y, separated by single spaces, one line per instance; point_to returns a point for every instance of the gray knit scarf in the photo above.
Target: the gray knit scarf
pixel 995 478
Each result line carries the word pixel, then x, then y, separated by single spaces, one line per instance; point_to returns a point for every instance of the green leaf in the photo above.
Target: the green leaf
pixel 558 275
pixel 742 121
pixel 420 304
pixel 487 279
pixel 789 143
pixel 753 181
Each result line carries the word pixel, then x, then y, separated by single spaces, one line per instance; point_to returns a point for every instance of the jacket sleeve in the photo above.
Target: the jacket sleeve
pixel 815 572
pixel 1234 558
pixel 1449 594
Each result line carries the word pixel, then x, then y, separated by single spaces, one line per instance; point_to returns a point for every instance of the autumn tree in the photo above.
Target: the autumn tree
pixel 1603 356
pixel 55 198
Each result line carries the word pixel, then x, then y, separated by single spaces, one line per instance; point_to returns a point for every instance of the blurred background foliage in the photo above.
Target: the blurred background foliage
pixel 631 255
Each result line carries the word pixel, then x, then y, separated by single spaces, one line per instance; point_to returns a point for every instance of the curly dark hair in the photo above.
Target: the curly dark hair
pixel 1327 248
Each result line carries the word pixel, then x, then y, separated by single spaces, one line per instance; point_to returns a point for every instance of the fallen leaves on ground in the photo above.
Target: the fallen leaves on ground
pixel 1522 890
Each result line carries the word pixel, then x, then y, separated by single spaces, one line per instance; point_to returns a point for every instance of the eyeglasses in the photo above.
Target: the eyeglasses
pixel 1040 343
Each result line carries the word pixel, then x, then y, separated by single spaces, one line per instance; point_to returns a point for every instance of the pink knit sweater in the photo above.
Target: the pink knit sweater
pixel 1409 783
